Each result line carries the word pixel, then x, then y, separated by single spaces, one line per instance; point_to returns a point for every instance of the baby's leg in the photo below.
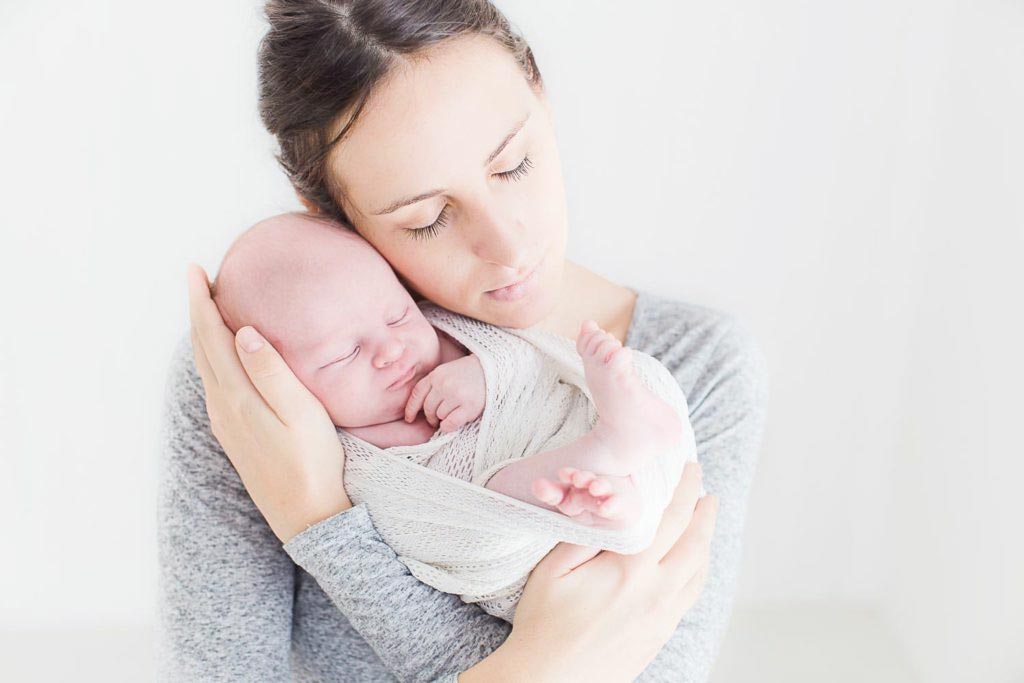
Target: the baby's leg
pixel 633 424
pixel 591 499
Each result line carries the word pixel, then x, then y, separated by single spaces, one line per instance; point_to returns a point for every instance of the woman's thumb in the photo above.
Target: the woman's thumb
pixel 271 376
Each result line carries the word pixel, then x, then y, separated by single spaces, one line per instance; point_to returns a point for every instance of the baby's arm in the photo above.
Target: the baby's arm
pixel 453 394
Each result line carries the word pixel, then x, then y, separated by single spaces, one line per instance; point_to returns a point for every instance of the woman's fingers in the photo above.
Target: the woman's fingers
pixel 215 338
pixel 689 593
pixel 282 392
pixel 206 373
pixel 678 513
pixel 693 548
pixel 198 287
pixel 565 557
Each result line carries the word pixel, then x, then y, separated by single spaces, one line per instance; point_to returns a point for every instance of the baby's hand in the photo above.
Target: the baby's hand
pixel 453 393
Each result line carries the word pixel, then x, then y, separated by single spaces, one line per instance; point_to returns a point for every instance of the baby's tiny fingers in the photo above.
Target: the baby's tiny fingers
pixel 445 408
pixel 430 405
pixel 415 403
pixel 453 420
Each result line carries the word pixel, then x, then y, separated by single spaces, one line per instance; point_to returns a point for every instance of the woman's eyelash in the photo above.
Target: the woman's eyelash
pixel 519 171
pixel 431 230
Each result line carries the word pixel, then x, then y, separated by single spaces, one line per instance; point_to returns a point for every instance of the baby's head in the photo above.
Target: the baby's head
pixel 336 312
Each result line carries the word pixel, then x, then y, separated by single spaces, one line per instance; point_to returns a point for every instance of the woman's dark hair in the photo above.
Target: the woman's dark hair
pixel 321 58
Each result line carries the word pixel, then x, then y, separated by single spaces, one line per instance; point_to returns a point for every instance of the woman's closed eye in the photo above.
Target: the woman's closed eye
pixel 519 171
pixel 341 359
pixel 431 230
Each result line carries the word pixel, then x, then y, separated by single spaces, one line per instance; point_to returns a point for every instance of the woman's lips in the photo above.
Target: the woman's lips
pixel 516 290
pixel 403 379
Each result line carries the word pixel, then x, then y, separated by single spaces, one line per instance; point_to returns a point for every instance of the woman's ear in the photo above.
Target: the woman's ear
pixel 311 207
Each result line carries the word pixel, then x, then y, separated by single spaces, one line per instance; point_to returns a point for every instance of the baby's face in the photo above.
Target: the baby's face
pixel 360 343
pixel 340 318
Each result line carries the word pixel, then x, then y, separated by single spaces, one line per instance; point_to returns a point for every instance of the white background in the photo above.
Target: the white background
pixel 846 177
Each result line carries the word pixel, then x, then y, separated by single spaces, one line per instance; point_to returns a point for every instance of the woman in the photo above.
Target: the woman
pixel 425 126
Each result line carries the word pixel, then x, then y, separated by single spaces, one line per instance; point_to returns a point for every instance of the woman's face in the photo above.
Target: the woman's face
pixel 451 171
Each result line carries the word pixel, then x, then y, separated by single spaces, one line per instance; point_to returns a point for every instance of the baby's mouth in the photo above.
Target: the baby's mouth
pixel 404 378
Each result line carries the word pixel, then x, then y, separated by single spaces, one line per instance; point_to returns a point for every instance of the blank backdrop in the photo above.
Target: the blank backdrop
pixel 845 177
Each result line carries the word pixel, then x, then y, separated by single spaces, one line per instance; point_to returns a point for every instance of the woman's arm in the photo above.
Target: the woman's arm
pixel 569 622
pixel 420 633
pixel 226 586
pixel 723 375
pixel 280 441
pixel 268 430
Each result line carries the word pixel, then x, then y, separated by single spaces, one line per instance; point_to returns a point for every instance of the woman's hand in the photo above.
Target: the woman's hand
pixel 276 433
pixel 607 618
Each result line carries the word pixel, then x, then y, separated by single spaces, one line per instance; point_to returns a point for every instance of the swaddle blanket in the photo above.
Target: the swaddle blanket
pixel 428 501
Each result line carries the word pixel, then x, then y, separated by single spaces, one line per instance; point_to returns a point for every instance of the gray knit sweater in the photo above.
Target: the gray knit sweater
pixel 335 604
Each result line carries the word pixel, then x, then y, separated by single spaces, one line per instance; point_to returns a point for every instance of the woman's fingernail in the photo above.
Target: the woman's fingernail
pixel 249 339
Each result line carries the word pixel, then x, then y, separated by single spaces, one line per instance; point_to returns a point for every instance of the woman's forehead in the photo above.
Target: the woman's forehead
pixel 433 120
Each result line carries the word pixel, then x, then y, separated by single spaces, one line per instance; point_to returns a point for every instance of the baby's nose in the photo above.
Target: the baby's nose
pixel 389 352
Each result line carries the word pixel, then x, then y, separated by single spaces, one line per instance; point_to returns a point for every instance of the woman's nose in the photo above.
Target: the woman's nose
pixel 501 240
pixel 388 353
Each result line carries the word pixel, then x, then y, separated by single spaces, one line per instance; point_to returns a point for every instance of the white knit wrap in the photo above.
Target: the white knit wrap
pixel 428 501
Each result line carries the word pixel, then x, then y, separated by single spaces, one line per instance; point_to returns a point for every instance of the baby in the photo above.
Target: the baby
pixel 354 336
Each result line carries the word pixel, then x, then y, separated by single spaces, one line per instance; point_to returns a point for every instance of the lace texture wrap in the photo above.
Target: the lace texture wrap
pixel 428 501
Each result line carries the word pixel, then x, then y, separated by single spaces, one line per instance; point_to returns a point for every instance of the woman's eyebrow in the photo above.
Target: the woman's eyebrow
pixel 395 206
pixel 511 134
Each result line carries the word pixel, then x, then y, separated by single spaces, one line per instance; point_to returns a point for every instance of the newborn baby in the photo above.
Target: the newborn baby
pixel 352 334
pixel 407 393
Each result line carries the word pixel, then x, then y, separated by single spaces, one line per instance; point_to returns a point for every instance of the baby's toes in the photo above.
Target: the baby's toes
pixel 572 504
pixel 600 487
pixel 581 479
pixel 565 474
pixel 620 361
pixel 547 491
pixel 611 507
pixel 609 346
pixel 596 341
pixel 587 330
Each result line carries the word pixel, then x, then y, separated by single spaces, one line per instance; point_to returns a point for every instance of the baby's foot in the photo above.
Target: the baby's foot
pixel 606 502
pixel 633 423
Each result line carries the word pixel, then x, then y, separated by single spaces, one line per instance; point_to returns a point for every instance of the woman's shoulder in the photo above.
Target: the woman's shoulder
pixel 702 347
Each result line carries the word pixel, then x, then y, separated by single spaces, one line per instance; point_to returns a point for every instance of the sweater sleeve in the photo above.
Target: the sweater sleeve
pixel 723 374
pixel 420 633
pixel 227 585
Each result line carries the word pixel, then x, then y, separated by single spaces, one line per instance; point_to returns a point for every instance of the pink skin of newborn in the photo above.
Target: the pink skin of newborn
pixel 353 335
pixel 341 320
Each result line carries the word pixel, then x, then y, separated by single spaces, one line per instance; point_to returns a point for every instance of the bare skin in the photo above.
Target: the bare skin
pixel 348 329
pixel 435 121
pixel 592 480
